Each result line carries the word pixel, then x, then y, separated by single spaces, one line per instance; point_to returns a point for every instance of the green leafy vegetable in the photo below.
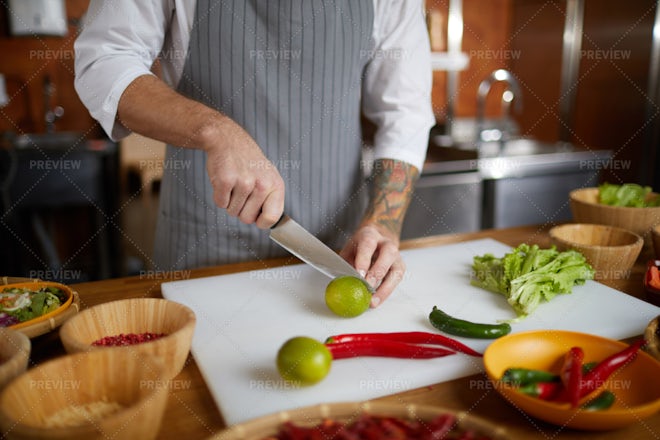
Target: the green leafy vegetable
pixel 25 304
pixel 528 275
pixel 628 195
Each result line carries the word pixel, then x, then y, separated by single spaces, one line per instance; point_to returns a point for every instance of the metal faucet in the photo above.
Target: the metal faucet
pixel 51 115
pixel 511 92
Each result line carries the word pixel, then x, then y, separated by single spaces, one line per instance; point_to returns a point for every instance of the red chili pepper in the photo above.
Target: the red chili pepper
pixel 571 374
pixel 595 378
pixel 409 337
pixel 385 348
pixel 653 276
pixel 441 426
pixel 542 390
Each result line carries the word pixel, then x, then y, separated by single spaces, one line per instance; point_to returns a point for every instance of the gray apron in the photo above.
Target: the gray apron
pixel 290 73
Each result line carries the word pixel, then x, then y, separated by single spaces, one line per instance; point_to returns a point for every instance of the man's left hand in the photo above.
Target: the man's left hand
pixel 374 252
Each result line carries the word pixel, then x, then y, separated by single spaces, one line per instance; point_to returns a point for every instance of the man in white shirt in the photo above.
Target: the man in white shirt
pixel 261 99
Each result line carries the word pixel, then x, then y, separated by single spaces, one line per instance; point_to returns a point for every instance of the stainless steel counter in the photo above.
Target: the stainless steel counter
pixel 516 183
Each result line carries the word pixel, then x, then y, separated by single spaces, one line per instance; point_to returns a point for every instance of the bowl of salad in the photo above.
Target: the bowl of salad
pixel 34 307
pixel 628 206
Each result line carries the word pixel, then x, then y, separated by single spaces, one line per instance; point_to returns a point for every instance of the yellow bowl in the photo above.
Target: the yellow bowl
pixel 137 315
pixel 610 251
pixel 35 285
pixel 586 208
pixel 636 386
pixel 14 354
pixel 129 389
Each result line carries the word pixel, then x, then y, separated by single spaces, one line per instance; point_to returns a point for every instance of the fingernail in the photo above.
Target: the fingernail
pixel 362 272
pixel 375 301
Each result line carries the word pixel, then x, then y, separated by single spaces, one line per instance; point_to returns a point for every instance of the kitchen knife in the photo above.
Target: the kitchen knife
pixel 301 243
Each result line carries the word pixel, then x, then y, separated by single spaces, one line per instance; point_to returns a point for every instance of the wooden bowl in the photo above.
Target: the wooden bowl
pixel 34 401
pixel 586 208
pixel 610 251
pixel 652 338
pixel 14 354
pixel 138 315
pixel 655 239
pixel 347 412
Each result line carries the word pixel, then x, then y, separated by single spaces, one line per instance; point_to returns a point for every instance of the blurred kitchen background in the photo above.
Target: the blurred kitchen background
pixel 533 98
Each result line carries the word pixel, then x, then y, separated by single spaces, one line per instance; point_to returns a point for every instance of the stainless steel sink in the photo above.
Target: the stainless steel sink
pixel 62 140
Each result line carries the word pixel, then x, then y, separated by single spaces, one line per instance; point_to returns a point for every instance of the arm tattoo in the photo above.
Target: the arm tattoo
pixel 392 185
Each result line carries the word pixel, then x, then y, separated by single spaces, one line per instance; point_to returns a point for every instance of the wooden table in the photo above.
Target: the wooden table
pixel 192 414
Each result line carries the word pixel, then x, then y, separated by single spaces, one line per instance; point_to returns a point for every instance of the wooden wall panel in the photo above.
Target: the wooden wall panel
pixel 536 39
pixel 26 62
pixel 612 95
pixel 486 41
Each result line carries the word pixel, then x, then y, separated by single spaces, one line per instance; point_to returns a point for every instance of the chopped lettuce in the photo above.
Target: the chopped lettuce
pixel 528 275
pixel 628 195
pixel 24 304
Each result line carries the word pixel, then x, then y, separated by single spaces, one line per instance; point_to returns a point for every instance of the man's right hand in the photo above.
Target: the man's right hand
pixel 244 181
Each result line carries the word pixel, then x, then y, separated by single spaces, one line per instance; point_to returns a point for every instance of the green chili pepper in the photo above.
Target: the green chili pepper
pixel 587 367
pixel 460 327
pixel 525 376
pixel 602 401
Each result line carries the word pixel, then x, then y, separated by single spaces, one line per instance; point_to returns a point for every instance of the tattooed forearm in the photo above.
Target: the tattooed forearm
pixel 392 183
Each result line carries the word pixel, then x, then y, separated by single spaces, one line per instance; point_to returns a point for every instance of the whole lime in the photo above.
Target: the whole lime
pixel 303 360
pixel 347 296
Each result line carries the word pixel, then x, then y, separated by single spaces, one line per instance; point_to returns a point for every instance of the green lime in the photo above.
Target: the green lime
pixel 303 360
pixel 347 296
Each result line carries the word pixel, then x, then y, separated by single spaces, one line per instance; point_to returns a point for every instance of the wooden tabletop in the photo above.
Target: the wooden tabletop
pixel 191 412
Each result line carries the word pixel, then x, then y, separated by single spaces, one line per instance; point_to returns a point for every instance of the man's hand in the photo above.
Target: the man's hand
pixel 374 248
pixel 374 252
pixel 244 181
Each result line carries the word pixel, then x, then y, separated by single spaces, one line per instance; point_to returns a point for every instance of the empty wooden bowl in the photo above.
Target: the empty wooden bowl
pixel 135 316
pixel 100 394
pixel 586 208
pixel 652 338
pixel 14 354
pixel 655 238
pixel 610 251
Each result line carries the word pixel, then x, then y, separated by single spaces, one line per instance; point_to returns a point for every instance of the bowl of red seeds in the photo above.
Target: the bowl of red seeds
pixel 149 326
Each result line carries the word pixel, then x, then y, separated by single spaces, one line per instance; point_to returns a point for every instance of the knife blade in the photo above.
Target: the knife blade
pixel 304 245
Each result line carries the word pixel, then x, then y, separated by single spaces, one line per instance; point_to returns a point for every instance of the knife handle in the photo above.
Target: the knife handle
pixel 279 221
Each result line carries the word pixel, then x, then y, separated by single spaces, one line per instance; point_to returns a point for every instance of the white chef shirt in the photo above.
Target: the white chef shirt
pixel 121 39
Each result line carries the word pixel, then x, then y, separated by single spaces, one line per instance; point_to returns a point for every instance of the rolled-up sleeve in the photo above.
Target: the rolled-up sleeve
pixel 398 81
pixel 118 43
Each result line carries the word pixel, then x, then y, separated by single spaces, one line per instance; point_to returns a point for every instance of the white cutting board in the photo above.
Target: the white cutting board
pixel 243 319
